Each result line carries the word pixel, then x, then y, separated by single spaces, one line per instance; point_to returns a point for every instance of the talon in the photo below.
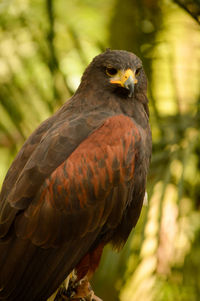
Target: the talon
pixel 81 291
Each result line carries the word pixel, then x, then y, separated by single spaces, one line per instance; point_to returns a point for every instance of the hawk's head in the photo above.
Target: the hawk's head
pixel 115 71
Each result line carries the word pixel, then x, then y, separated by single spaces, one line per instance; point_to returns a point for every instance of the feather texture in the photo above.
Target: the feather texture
pixel 77 183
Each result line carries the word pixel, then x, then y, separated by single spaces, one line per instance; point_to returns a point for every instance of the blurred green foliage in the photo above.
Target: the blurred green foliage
pixel 44 48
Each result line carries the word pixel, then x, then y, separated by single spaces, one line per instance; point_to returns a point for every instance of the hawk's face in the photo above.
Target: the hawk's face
pixel 116 71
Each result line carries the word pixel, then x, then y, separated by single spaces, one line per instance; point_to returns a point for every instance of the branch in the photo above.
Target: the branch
pixel 51 34
pixel 192 7
pixel 53 59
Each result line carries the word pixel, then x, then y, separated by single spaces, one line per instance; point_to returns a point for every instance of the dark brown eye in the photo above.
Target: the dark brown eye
pixel 111 71
pixel 137 71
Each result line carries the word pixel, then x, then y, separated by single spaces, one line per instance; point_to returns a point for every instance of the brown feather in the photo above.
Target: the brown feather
pixel 77 183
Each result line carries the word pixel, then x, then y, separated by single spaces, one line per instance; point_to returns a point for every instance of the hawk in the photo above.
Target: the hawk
pixel 77 184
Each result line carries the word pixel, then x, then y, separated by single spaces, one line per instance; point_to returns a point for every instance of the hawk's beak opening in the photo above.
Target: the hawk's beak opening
pixel 126 79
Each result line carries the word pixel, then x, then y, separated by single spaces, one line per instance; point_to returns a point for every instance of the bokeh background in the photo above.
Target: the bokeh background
pixel 44 48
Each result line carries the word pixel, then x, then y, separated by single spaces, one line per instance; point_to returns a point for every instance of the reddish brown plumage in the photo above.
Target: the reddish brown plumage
pixel 77 184
pixel 89 263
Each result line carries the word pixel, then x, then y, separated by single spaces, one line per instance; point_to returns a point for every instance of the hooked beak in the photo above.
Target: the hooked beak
pixel 126 79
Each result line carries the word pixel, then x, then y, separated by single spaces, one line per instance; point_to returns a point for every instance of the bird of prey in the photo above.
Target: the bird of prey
pixel 77 184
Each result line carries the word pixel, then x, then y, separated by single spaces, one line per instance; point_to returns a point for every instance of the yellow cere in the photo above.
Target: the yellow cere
pixel 122 76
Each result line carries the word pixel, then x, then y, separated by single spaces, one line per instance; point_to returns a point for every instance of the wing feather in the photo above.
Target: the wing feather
pixel 76 202
pixel 95 176
pixel 52 143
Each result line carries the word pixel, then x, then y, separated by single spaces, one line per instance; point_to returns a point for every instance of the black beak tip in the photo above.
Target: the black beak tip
pixel 129 85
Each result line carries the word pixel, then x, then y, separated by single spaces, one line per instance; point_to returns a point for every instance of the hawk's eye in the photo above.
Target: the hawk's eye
pixel 137 71
pixel 111 71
